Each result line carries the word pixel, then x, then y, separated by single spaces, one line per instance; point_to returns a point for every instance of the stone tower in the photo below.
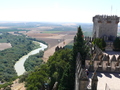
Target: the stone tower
pixel 105 26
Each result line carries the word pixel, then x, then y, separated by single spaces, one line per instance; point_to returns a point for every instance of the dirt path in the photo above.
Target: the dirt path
pixel 51 50
pixel 17 86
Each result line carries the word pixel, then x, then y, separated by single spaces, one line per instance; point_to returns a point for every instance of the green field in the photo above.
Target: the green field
pixel 11 30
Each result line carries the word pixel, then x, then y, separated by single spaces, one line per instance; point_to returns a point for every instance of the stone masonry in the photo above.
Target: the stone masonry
pixel 105 26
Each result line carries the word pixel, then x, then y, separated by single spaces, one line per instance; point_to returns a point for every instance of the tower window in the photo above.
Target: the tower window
pixel 108 21
pixel 99 21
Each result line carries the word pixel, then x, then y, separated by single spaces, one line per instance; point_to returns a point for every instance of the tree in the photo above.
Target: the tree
pixel 103 44
pixel 100 43
pixel 79 46
pixel 52 71
pixel 67 82
pixel 116 44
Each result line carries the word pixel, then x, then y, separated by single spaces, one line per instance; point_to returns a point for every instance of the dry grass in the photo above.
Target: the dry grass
pixel 5 46
pixel 4 27
pixel 51 50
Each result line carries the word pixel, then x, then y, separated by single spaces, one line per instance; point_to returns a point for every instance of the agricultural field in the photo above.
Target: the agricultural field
pixel 51 33
pixel 5 46
pixel 54 34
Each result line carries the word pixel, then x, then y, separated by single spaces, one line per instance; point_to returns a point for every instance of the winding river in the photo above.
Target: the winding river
pixel 19 65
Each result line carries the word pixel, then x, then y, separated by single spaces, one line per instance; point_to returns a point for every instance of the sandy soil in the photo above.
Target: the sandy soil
pixel 5 46
pixel 17 86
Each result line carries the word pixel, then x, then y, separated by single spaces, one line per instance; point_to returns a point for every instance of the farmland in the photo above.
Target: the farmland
pixel 52 33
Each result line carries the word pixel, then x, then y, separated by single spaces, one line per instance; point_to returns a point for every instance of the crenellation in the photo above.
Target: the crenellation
pixel 106 17
pixel 103 61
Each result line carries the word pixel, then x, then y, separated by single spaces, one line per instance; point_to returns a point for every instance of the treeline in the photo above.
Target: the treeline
pixel 33 61
pixel 34 39
pixel 102 44
pixel 57 69
pixel 20 46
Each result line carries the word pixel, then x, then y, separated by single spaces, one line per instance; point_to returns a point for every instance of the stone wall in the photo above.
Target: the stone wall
pixel 81 78
pixel 103 62
pixel 105 26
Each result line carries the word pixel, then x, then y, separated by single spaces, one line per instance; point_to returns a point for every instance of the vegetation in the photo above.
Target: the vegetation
pixel 6 86
pixel 116 44
pixel 55 27
pixel 68 46
pixel 11 30
pixel 59 68
pixel 100 43
pixel 34 39
pixel 79 46
pixel 33 61
pixel 20 46
pixel 53 71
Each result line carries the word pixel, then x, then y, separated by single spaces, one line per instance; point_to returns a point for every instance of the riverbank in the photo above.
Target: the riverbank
pixel 19 65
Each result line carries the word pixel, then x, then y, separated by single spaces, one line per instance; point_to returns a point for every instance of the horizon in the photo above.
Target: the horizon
pixel 44 22
pixel 81 11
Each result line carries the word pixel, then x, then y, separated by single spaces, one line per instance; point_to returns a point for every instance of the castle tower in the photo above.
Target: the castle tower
pixel 105 26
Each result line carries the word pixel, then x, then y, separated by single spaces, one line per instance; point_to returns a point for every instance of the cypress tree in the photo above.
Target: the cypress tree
pixel 79 46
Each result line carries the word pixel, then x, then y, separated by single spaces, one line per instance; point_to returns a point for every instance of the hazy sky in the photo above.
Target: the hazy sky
pixel 56 10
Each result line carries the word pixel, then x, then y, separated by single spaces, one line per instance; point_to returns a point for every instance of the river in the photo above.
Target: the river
pixel 19 65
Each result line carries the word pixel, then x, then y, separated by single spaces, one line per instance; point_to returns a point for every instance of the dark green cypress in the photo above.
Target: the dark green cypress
pixel 79 46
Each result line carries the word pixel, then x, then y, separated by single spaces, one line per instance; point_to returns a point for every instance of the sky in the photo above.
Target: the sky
pixel 57 10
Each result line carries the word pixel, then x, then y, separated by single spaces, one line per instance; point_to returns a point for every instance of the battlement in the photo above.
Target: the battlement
pixel 107 18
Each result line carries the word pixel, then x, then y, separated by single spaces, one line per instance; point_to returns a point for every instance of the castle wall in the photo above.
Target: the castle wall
pixel 105 26
pixel 96 64
pixel 108 29
pixel 104 65
pixel 113 65
pixel 87 63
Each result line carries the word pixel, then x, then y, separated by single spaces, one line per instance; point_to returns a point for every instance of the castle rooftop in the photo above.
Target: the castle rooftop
pixel 106 18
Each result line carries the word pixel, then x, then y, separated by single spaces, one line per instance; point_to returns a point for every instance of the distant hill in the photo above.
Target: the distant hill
pixel 52 27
